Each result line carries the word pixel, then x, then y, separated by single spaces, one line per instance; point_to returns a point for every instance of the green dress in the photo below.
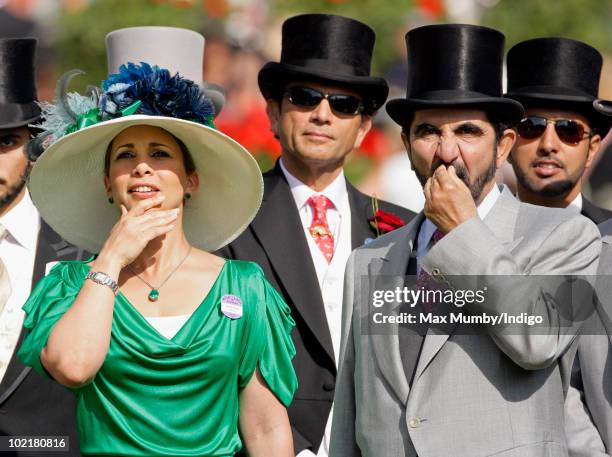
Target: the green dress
pixel 154 396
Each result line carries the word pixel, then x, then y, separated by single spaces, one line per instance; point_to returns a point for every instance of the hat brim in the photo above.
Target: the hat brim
pixel 274 76
pixel 14 115
pixel 509 111
pixel 66 184
pixel 578 103
pixel 22 123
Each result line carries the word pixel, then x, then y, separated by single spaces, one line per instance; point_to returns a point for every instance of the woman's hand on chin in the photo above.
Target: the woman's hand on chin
pixel 135 229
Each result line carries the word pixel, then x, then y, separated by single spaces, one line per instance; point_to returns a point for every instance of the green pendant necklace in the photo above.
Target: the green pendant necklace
pixel 154 294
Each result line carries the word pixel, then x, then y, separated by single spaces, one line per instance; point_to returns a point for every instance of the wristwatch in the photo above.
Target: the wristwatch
pixel 103 279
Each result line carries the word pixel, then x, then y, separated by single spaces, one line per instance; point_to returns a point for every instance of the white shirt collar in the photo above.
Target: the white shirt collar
pixel 335 191
pixel 19 222
pixel 576 203
pixel 488 202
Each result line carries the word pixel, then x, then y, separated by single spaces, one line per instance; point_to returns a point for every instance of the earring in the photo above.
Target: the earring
pixel 111 200
pixel 188 196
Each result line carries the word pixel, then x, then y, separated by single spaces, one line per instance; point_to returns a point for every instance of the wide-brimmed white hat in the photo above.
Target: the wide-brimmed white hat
pixel 66 182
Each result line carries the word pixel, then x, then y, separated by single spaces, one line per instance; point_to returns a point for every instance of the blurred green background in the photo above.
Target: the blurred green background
pixel 81 31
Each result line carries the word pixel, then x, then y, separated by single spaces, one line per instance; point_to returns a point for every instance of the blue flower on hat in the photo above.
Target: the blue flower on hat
pixel 135 89
pixel 159 93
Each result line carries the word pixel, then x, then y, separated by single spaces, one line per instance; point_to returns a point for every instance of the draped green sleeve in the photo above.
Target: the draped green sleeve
pixel 270 347
pixel 48 302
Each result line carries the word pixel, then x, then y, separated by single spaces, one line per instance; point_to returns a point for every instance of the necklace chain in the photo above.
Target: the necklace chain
pixel 154 294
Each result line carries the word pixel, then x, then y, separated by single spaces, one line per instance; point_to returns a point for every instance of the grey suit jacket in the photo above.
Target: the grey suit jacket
pixel 589 400
pixel 471 395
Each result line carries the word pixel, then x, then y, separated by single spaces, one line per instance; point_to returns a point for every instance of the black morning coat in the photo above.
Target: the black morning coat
pixel 30 404
pixel 275 240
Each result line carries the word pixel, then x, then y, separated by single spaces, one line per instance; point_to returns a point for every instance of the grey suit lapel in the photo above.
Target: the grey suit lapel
pixel 604 285
pixel 501 219
pixel 391 268
pixel 503 216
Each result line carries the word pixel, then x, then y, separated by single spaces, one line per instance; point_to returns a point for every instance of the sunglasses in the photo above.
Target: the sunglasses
pixel 308 97
pixel 568 130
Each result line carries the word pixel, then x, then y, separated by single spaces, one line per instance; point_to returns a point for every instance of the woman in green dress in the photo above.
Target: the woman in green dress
pixel 171 350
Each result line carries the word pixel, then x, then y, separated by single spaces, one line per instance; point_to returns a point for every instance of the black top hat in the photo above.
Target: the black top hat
pixel 326 48
pixel 557 73
pixel 455 66
pixel 17 82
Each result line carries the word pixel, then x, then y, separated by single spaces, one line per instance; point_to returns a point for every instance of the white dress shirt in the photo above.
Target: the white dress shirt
pixel 18 251
pixel 330 275
pixel 428 228
pixel 576 204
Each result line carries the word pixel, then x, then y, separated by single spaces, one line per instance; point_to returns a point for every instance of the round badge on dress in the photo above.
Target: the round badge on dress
pixel 231 306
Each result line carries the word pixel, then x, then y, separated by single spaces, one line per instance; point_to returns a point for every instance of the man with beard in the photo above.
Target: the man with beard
pixel 557 81
pixel 30 405
pixel 464 390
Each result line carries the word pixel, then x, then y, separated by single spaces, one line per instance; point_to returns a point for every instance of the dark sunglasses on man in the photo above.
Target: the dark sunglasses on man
pixel 307 97
pixel 568 130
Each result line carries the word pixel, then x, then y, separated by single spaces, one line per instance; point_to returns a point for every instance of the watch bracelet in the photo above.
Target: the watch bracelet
pixel 99 277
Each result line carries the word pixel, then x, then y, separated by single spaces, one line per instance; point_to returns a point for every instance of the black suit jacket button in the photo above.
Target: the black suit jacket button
pixel 329 386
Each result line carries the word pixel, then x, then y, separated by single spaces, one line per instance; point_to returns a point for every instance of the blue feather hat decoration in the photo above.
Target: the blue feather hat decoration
pixel 159 93
pixel 135 89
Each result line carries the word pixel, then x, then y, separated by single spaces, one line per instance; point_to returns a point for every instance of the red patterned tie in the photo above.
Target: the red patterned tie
pixel 319 229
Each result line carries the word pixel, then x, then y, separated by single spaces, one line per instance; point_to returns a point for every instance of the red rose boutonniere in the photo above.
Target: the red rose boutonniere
pixel 383 222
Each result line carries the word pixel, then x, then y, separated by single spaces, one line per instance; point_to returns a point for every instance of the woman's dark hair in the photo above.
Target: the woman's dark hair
pixel 187 158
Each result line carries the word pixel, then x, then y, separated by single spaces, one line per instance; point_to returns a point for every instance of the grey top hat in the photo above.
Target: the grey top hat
pixel 178 50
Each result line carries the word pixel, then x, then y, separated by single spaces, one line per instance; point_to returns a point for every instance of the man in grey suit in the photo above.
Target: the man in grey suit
pixel 557 81
pixel 589 400
pixel 450 392
pixel 588 406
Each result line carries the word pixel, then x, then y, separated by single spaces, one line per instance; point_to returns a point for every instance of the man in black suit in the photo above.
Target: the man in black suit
pixel 30 405
pixel 557 81
pixel 321 99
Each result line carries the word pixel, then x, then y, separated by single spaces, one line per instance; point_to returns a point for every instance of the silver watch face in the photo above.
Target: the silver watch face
pixel 99 277
pixel 103 279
